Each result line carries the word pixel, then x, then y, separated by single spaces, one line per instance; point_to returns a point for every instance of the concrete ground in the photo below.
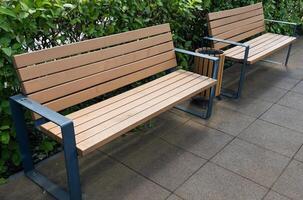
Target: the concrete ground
pixel 250 149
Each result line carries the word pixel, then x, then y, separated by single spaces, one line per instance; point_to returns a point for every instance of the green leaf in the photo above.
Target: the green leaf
pixel 2 181
pixel 16 159
pixel 68 5
pixel 4 137
pixel 6 11
pixel 4 127
pixel 7 51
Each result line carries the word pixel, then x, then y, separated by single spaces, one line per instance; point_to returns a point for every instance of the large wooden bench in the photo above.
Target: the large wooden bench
pixel 58 78
pixel 241 33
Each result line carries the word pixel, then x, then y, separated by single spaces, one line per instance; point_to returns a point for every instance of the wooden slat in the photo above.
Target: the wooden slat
pixel 252 43
pixel 117 98
pixel 237 25
pixel 87 70
pixel 93 119
pixel 88 45
pixel 271 50
pixel 116 118
pixel 240 30
pixel 150 110
pixel 228 20
pixel 177 87
pixel 262 46
pixel 91 58
pixel 240 37
pixel 79 97
pixel 235 11
pixel 99 78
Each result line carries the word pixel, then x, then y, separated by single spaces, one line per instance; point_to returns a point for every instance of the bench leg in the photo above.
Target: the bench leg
pixel 210 103
pixel 288 54
pixel 28 165
pixel 71 161
pixel 238 92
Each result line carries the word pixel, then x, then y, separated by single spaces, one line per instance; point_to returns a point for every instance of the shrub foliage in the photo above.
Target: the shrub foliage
pixel 27 25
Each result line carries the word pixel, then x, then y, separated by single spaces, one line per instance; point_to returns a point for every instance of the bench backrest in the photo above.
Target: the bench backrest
pixel 236 24
pixel 67 75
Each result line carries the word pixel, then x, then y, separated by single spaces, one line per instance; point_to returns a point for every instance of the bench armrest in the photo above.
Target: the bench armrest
pixel 281 22
pixel 227 41
pixel 214 59
pixel 45 112
pixel 295 25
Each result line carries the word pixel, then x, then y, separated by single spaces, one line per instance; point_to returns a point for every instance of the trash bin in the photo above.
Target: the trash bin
pixel 205 67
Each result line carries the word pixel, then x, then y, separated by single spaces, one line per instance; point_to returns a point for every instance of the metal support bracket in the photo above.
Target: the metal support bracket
pixel 17 103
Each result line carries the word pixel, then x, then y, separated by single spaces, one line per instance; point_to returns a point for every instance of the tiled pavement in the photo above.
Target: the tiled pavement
pixel 251 149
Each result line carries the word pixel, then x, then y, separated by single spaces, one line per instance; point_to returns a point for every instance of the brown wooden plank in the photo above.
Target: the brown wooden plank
pixel 113 132
pixel 111 110
pixel 117 98
pixel 94 68
pixel 82 96
pixel 238 24
pixel 93 127
pixel 240 37
pixel 252 43
pixel 232 19
pixel 88 45
pixel 271 50
pixel 240 30
pixel 262 46
pixel 91 58
pixel 232 12
pixel 99 78
pixel 94 120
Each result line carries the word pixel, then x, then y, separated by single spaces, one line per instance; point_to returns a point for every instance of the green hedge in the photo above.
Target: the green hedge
pixel 36 24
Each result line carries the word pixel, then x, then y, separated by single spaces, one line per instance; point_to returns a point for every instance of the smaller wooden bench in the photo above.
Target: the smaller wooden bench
pixel 230 27
pixel 57 78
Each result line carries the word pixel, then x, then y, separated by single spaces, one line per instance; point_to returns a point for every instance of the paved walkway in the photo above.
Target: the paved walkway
pixel 251 149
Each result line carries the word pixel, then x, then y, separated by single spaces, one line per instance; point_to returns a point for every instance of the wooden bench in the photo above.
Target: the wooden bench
pixel 230 27
pixel 57 78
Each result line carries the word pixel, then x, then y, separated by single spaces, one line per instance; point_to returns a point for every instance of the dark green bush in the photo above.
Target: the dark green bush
pixel 27 25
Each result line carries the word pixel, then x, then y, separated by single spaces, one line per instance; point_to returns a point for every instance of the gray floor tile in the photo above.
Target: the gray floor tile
pixel 198 139
pixel 153 157
pixel 291 181
pixel 275 196
pixel 284 116
pixel 249 106
pixel 298 88
pixel 293 100
pixel 227 120
pixel 102 177
pixel 174 197
pixel 299 155
pixel 22 188
pixel 251 161
pixel 215 183
pixel 273 137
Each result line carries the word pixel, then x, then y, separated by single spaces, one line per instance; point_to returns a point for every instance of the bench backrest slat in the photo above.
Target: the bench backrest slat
pixel 236 24
pixel 64 76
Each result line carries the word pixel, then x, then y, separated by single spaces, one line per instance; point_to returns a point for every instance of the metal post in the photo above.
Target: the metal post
pixel 288 54
pixel 212 90
pixel 71 161
pixel 22 135
pixel 242 75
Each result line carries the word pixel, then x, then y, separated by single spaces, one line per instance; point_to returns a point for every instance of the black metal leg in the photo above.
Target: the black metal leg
pixel 70 153
pixel 22 135
pixel 71 161
pixel 241 81
pixel 288 54
pixel 210 102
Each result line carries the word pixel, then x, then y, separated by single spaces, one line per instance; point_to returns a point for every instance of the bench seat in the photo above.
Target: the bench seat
pixel 102 122
pixel 260 47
